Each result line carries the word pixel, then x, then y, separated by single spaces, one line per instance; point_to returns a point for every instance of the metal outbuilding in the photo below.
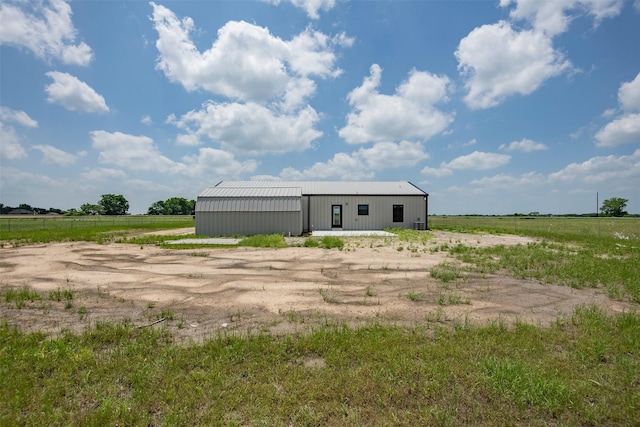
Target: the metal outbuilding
pixel 294 207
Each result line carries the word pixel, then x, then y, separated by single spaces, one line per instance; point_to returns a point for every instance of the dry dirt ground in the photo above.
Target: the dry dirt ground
pixel 200 292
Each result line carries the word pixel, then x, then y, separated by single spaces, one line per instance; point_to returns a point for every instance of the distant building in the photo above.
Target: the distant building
pixel 20 212
pixel 296 207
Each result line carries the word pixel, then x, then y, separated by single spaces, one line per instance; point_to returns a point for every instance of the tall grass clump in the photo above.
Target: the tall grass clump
pixel 327 242
pixel 264 241
pixel 445 272
pixel 330 242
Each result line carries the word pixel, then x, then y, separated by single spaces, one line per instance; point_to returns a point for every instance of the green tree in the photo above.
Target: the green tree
pixel 157 208
pixel 173 206
pixel 89 209
pixel 73 212
pixel 113 204
pixel 614 206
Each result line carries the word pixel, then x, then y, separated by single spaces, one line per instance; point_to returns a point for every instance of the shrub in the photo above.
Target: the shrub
pixel 264 241
pixel 330 242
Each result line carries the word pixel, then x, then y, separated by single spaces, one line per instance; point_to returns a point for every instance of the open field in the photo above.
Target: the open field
pixel 428 328
pixel 555 227
pixel 20 229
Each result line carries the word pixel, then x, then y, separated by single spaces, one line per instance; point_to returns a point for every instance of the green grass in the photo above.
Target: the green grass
pixel 604 264
pixel 445 272
pixel 409 235
pixel 582 370
pixel 327 242
pixel 21 296
pixel 557 228
pixel 264 241
pixel 99 228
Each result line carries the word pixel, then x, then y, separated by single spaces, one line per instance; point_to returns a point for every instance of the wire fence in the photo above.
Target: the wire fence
pixel 46 222
pixel 622 228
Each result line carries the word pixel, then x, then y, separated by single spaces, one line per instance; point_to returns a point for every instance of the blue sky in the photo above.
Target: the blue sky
pixel 492 107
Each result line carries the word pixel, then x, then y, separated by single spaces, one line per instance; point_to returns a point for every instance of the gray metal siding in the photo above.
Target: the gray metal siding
pixel 248 223
pixel 380 211
pixel 248 204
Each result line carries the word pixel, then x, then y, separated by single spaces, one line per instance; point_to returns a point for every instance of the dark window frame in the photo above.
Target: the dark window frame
pixel 398 213
pixel 363 210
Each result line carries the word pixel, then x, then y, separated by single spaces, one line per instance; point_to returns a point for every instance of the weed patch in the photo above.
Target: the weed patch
pixel 611 267
pixel 21 296
pixel 327 242
pixel 445 272
pixel 264 241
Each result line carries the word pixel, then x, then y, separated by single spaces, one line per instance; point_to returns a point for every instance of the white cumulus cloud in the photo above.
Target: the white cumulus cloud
pixel 479 160
pixel 10 141
pixel 342 166
pixel 103 174
pixel 437 172
pixel 10 148
pixel 525 145
pixel 363 163
pixel 497 61
pixel 44 28
pixel 250 128
pixel 130 151
pixel 55 155
pixel 74 94
pixel 139 153
pixel 407 114
pixel 213 162
pixel 17 116
pixel 554 17
pixel 506 181
pixel 310 6
pixel 616 170
pixel 629 94
pixel 384 155
pixel 246 62
pixel 624 130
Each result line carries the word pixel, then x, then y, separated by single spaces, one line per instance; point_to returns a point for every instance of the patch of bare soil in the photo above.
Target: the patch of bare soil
pixel 204 291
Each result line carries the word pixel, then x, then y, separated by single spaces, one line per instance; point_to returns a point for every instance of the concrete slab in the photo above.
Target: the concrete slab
pixel 349 233
pixel 209 241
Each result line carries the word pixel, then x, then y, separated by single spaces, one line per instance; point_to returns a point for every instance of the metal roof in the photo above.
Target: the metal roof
pixel 367 188
pixel 249 199
pixel 251 192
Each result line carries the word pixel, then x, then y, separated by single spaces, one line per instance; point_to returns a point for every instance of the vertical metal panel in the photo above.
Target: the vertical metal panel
pixel 248 223
pixel 380 211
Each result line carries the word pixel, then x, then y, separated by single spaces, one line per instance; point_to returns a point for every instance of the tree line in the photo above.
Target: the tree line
pixel 113 204
pixel 116 204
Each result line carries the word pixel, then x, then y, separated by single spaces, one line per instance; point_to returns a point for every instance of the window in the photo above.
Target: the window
pixel 363 209
pixel 398 213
